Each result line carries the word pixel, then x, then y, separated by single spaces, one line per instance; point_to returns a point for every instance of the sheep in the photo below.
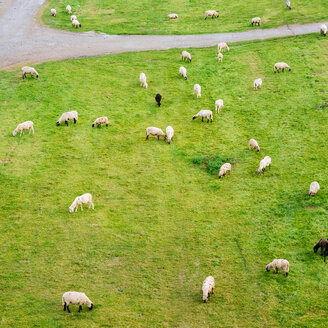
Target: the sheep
pixel 323 29
pixel 76 23
pixel 79 200
pixel 29 70
pixel 222 46
pixel 211 13
pixel 76 298
pixel 204 113
pixel 185 55
pixel 68 116
pixel 69 10
pixel 218 105
pixel 172 16
pixel 257 84
pixel 208 288
pixel 183 72
pixel 169 133
pixel 265 162
pixel 254 145
pixel 220 57
pixel 224 169
pixel 197 90
pixel 288 5
pixel 155 132
pixel 143 80
pixel 28 125
pixel 281 66
pixel 53 12
pixel 73 17
pixel 256 20
pixel 277 264
pixel 323 244
pixel 314 188
pixel 158 99
pixel 100 120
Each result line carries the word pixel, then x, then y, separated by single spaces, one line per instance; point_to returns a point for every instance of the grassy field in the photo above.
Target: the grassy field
pixel 162 223
pixel 149 17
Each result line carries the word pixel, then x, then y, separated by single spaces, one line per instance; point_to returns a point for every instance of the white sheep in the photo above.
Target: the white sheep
pixel 211 13
pixel 28 125
pixel 67 117
pixel 204 113
pixel 288 5
pixel 254 145
pixel 76 23
pixel 172 16
pixel 281 66
pixel 197 90
pixel 186 55
pixel 256 20
pixel 73 17
pixel 265 162
pixel 143 80
pixel 53 12
pixel 222 46
pixel 169 133
pixel 69 10
pixel 29 70
pixel 218 105
pixel 100 120
pixel 220 57
pixel 157 132
pixel 323 29
pixel 224 169
pixel 277 264
pixel 80 200
pixel 208 288
pixel 314 188
pixel 183 72
pixel 257 84
pixel 76 298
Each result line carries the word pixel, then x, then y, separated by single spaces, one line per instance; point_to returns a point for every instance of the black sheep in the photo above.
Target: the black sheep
pixel 158 99
pixel 323 244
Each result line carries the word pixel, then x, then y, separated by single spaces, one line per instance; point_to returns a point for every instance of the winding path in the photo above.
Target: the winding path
pixel 23 40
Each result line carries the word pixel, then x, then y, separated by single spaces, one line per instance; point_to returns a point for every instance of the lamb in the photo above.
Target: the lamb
pixel 29 70
pixel 256 20
pixel 278 264
pixel 288 5
pixel 155 132
pixel 314 188
pixel 323 29
pixel 197 89
pixel 76 298
pixel 222 46
pixel 79 200
pixel 169 133
pixel 143 80
pixel 28 125
pixel 100 120
pixel 265 162
pixel 220 57
pixel 69 10
pixel 53 12
pixel 208 287
pixel 183 72
pixel 76 23
pixel 281 66
pixel 254 145
pixel 204 113
pixel 185 55
pixel 323 244
pixel 158 99
pixel 224 169
pixel 211 13
pixel 257 84
pixel 73 17
pixel 67 117
pixel 218 105
pixel 172 16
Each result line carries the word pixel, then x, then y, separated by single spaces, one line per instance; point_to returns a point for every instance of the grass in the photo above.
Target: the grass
pixel 162 223
pixel 149 17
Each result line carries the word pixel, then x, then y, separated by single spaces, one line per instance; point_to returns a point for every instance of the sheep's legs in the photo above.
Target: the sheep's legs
pixel 80 308
pixel 147 136
pixel 74 120
pixel 81 207
pixel 202 119
pixel 212 290
pixel 66 123
pixel 68 309
pixel 157 137
pixel 64 306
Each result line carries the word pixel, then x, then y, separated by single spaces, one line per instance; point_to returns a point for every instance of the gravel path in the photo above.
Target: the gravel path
pixel 24 41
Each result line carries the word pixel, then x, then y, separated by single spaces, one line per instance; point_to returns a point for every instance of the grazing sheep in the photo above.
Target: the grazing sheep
pixel 169 133
pixel 208 288
pixel 73 17
pixel 211 13
pixel 29 70
pixel 76 298
pixel 158 99
pixel 323 244
pixel 256 20
pixel 155 132
pixel 100 120
pixel 197 90
pixel 143 80
pixel 220 57
pixel 265 162
pixel 224 169
pixel 218 105
pixel 185 55
pixel 28 125
pixel 323 29
pixel 80 200
pixel 254 145
pixel 281 66
pixel 222 46
pixel 257 84
pixel 53 12
pixel 314 188
pixel 76 23
pixel 288 5
pixel 204 113
pixel 67 117
pixel 278 264
pixel 183 72
pixel 172 16
pixel 69 10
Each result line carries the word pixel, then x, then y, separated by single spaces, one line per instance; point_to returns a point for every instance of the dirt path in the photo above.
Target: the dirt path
pixel 24 41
